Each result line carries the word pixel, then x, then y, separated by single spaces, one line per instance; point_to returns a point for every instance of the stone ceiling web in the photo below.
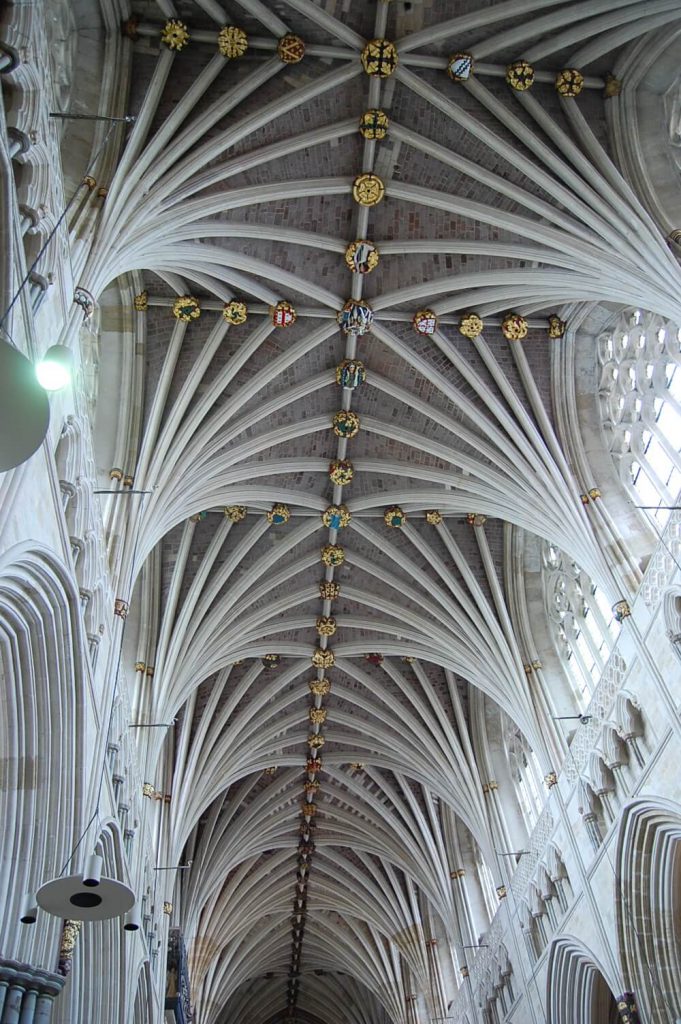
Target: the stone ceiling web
pixel 477 203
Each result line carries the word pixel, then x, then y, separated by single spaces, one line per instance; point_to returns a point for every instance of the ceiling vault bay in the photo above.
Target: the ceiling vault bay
pixel 237 183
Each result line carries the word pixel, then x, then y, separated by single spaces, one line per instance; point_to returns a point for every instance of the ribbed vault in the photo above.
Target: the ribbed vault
pixel 319 872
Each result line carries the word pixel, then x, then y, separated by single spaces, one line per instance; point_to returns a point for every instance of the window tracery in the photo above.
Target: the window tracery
pixel 497 988
pixel 531 912
pixel 640 396
pixel 486 884
pixel 556 870
pixel 583 624
pixel 673 621
pixel 526 773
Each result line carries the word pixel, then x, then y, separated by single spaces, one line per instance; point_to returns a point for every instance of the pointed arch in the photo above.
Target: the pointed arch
pixel 143 1007
pixel 44 677
pixel 648 922
pixel 577 988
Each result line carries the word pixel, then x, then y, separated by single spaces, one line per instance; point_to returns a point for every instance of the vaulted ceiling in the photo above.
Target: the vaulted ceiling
pixel 315 868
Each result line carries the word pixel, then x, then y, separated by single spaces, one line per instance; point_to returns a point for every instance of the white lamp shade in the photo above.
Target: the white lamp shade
pixel 24 408
pixel 93 870
pixel 29 908
pixel 69 898
pixel 133 919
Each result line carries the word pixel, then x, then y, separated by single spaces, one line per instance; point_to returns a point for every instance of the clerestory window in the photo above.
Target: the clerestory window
pixel 526 774
pixel 640 395
pixel 584 627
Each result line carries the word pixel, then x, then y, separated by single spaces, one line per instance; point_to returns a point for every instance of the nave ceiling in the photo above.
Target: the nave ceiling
pixel 236 183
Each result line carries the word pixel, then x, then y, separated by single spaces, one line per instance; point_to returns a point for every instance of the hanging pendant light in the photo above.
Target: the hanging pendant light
pixel 24 408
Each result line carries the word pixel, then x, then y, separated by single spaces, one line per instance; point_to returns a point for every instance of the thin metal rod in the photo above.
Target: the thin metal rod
pixel 656 508
pixel 128 119
pixel 151 725
pixel 176 867
pixel 126 491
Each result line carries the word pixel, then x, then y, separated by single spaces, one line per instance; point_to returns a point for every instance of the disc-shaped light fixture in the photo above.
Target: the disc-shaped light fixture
pixel 70 899
pixel 24 408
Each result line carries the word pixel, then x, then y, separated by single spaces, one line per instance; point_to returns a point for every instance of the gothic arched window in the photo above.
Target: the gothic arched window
pixel 486 884
pixel 526 774
pixel 640 395
pixel 583 623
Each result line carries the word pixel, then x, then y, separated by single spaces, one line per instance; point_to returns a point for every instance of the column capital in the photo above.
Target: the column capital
pixel 27 976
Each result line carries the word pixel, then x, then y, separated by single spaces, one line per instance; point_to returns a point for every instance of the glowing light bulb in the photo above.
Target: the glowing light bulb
pixel 53 371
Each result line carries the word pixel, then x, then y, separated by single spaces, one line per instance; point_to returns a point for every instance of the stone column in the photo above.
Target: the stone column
pixel 437 990
pixel 412 1015
pixel 13 1002
pixel 28 1007
pixel 27 993
pixel 479 917
pixel 500 833
pixel 43 1010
